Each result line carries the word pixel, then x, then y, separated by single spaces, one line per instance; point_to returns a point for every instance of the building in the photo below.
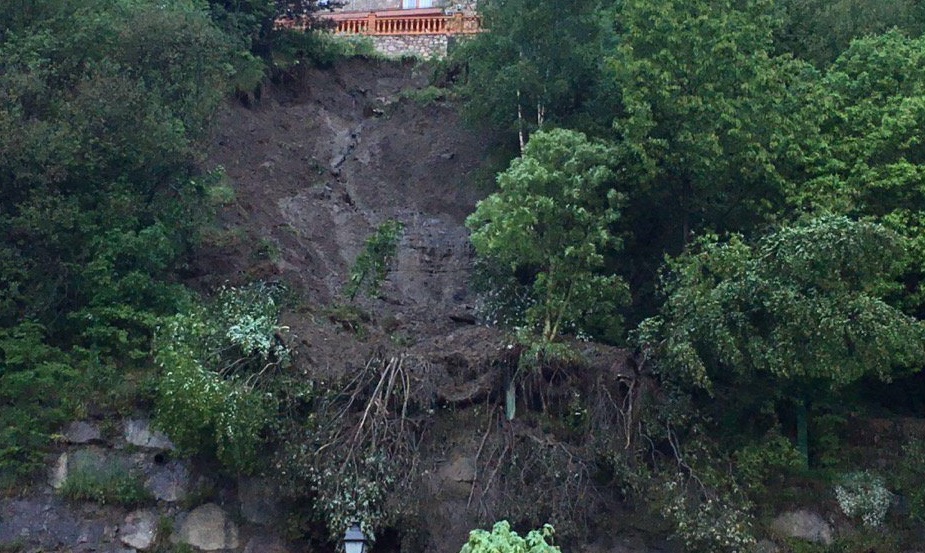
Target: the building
pixel 424 28
pixel 389 5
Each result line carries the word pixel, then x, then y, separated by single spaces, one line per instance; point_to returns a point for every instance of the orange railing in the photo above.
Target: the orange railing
pixel 371 24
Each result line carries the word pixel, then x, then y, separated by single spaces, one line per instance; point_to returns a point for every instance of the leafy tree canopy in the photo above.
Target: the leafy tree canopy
pixel 818 31
pixel 803 305
pixel 705 111
pixel 545 237
pixel 537 64
pixel 862 149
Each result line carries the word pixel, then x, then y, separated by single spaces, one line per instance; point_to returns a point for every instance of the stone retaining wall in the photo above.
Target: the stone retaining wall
pixel 425 46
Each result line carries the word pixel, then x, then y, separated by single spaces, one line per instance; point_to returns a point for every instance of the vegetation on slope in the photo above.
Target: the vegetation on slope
pixel 770 213
pixel 102 107
pixel 733 188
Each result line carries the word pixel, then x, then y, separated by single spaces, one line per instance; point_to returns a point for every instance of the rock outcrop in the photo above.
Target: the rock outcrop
pixel 208 528
pixel 804 525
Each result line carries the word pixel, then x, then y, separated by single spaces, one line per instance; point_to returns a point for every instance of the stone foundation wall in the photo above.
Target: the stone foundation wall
pixel 425 46
pixel 375 5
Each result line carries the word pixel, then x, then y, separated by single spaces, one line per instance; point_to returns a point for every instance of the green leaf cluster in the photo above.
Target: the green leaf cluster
pixel 549 230
pixel 803 305
pixel 502 539
pixel 102 103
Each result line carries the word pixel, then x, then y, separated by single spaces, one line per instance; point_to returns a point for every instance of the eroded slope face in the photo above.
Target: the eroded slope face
pixel 318 164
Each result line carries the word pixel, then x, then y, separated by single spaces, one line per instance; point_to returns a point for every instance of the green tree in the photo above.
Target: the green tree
pixel 801 310
pixel 705 109
pixel 546 235
pixel 537 65
pixel 818 31
pixel 865 157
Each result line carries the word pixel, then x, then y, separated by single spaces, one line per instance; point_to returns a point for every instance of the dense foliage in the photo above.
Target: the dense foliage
pixel 768 164
pixel 714 131
pixel 101 103
pixel 742 181
pixel 544 236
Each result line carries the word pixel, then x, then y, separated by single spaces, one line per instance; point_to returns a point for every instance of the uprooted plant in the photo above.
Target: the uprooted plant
pixel 357 437
pixel 213 359
pixel 372 265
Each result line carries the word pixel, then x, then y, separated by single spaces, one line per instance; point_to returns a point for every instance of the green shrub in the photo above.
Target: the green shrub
pixel 502 539
pixel 216 187
pixel 909 476
pixel 372 265
pixel 294 48
pixel 704 520
pixel 104 481
pixel 773 455
pixel 425 96
pixel 353 491
pixel 349 317
pixel 212 359
pixel 35 380
pixel 201 412
pixel 249 316
pixel 864 495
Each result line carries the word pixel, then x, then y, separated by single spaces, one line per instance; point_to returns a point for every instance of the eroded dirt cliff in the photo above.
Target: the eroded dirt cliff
pixel 316 165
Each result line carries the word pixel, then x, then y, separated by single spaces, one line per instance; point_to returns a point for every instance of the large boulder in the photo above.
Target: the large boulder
pixel 82 461
pixel 140 529
pixel 45 523
pixel 81 432
pixel 169 481
pixel 804 525
pixel 457 476
pixel 208 528
pixel 765 546
pixel 138 432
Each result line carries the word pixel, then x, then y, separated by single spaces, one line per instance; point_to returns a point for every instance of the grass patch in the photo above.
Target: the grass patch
pixel 426 96
pixel 104 481
pixel 349 317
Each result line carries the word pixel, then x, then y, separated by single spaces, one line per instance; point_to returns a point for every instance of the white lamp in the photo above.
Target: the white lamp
pixel 354 539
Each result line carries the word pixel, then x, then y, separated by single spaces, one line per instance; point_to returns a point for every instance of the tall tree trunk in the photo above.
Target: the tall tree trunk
pixel 520 123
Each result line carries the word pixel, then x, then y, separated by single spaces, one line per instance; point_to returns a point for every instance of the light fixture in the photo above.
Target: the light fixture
pixel 354 539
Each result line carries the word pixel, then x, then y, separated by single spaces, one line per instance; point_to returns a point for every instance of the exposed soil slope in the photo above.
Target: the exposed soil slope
pixel 316 165
pixel 319 163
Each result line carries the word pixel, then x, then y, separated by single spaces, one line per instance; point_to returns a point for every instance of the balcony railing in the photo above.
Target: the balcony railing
pixel 371 24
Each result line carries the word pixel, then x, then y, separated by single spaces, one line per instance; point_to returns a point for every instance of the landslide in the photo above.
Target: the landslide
pixel 316 165
pixel 322 159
